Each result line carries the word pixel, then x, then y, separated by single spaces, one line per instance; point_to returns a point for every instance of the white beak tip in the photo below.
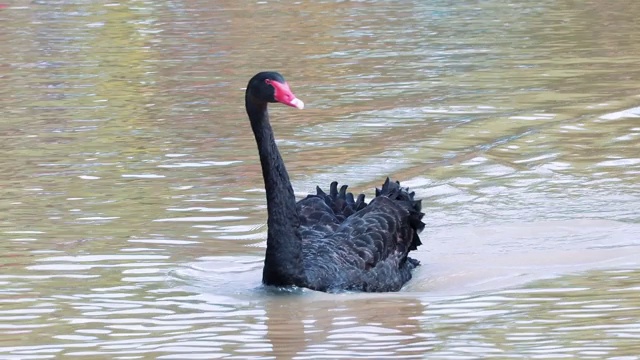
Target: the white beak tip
pixel 297 103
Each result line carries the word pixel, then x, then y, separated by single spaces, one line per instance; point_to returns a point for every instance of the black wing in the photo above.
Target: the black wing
pixel 367 250
pixel 321 214
pixel 388 228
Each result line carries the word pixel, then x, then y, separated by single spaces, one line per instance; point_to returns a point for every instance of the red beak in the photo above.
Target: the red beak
pixel 284 95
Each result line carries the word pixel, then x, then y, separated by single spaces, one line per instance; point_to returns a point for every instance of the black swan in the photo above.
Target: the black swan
pixel 329 242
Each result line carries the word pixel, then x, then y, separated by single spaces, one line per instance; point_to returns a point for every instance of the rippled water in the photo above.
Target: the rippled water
pixel 133 215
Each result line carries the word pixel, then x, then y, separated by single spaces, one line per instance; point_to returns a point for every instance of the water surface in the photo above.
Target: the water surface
pixel 133 213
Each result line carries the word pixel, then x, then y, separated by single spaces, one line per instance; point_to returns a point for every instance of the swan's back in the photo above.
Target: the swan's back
pixel 348 244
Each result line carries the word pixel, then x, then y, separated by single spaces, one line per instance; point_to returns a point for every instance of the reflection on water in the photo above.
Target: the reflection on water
pixel 133 211
pixel 567 317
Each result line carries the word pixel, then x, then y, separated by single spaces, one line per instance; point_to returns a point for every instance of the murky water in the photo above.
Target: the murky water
pixel 133 215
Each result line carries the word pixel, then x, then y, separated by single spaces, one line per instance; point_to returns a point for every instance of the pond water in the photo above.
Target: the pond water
pixel 133 214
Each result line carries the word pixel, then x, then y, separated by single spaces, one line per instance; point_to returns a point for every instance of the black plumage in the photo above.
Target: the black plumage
pixel 329 242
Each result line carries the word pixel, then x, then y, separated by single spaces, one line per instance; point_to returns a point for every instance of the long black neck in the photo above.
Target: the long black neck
pixel 282 263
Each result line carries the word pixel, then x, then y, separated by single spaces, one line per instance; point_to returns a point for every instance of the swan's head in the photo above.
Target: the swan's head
pixel 270 86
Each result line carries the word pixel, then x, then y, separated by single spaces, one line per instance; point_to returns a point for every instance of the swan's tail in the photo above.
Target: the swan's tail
pixel 340 201
pixel 394 191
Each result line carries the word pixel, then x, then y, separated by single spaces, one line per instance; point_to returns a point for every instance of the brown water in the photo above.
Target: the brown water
pixel 133 215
